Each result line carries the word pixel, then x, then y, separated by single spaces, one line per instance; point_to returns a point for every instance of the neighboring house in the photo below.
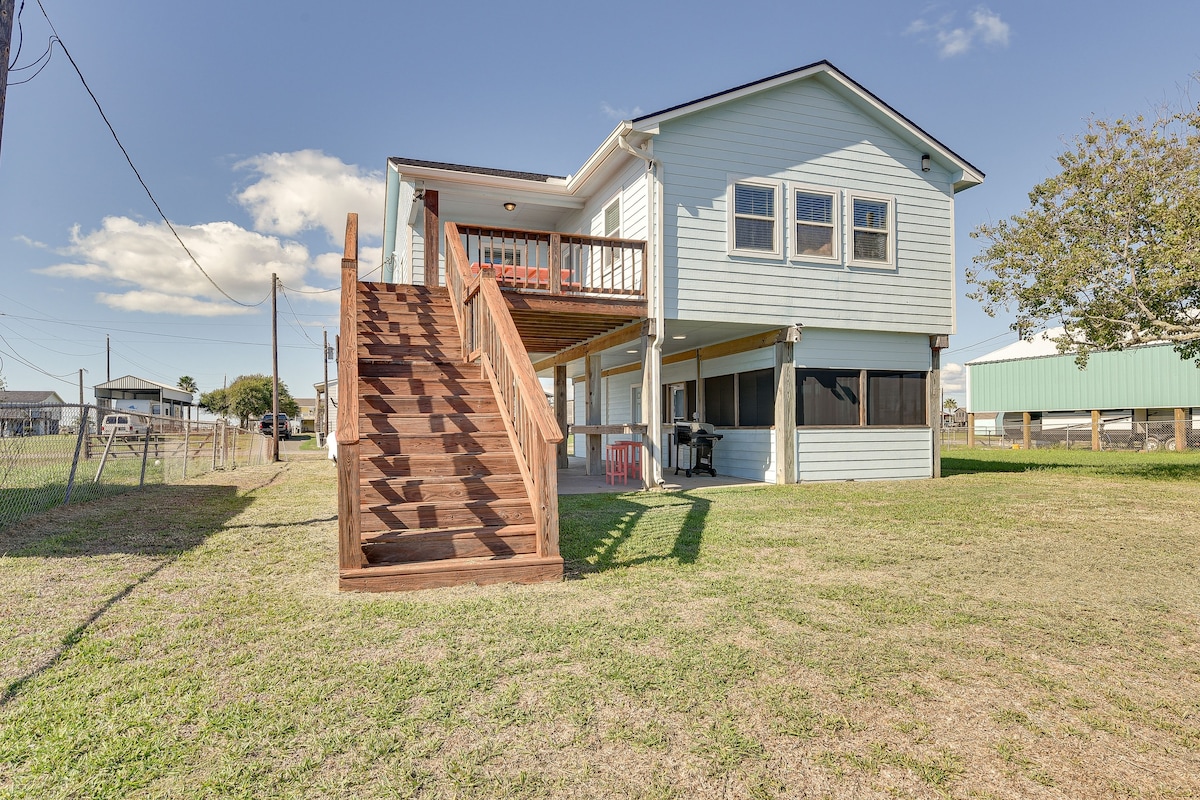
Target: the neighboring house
pixel 308 415
pixel 776 260
pixel 319 422
pixel 29 413
pixel 1144 397
pixel 143 396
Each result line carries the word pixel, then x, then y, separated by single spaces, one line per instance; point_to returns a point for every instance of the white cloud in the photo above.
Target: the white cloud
pixel 141 266
pixel 619 114
pixel 141 300
pixel 146 258
pixel 954 39
pixel 308 190
pixel 990 27
pixel 954 378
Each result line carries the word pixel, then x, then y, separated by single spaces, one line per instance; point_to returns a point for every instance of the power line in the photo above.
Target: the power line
pixel 12 352
pixel 137 174
pixel 298 323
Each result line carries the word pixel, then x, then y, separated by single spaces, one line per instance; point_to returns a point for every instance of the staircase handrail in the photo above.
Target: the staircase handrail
pixel 490 336
pixel 349 511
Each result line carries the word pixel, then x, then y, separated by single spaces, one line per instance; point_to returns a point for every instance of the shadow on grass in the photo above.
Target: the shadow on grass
pixel 1148 466
pixel 599 532
pixel 160 522
pixel 154 521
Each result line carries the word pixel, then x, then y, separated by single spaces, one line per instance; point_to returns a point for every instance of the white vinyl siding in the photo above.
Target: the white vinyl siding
pixel 825 348
pixel 754 206
pixel 802 134
pixel 863 454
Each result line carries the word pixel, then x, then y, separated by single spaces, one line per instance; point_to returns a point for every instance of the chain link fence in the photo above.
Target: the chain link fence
pixel 54 455
pixel 1117 434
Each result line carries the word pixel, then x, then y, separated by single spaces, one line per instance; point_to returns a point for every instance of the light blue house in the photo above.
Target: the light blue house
pixel 793 240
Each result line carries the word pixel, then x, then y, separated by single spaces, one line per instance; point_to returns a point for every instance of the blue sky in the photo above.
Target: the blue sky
pixel 259 125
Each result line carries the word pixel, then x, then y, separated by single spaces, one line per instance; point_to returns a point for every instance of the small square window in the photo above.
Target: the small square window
pixel 873 237
pixel 754 221
pixel 816 233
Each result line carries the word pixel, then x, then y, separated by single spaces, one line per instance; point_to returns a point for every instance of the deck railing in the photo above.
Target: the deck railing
pixel 350 554
pixel 555 263
pixel 490 337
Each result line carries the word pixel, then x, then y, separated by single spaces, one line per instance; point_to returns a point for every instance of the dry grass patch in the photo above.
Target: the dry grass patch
pixel 1015 633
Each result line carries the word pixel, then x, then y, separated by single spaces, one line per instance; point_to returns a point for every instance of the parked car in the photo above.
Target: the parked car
pixel 267 424
pixel 122 425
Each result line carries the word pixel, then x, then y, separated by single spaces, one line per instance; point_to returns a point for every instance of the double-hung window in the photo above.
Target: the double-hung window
pixel 754 217
pixel 816 230
pixel 873 231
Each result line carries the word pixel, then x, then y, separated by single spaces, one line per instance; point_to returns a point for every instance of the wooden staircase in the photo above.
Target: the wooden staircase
pixel 441 499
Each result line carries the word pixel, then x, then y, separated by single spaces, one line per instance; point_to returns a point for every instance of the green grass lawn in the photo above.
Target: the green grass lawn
pixel 1027 627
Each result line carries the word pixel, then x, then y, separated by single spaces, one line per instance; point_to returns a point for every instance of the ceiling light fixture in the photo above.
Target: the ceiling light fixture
pixel 679 336
pixel 510 206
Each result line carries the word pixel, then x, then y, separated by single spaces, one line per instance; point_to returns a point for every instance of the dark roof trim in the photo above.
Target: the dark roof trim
pixel 805 68
pixel 500 173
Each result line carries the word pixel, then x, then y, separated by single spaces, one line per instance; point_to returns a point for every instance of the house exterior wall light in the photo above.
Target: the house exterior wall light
pixel 925 162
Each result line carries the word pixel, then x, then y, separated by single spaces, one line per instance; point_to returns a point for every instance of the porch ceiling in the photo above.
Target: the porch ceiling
pixel 550 324
pixel 695 335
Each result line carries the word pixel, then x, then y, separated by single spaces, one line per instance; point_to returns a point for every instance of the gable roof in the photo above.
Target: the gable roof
pixel 969 174
pixel 554 185
pixel 29 397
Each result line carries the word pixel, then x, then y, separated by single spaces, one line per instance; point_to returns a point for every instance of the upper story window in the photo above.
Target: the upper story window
pixel 874 231
pixel 754 217
pixel 816 229
pixel 612 219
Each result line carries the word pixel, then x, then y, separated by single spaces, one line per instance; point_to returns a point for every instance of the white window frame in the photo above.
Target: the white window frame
pixel 509 255
pixel 890 261
pixel 635 403
pixel 776 186
pixel 837 235
pixel 616 232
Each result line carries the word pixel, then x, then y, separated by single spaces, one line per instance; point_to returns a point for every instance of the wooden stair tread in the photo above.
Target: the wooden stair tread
pixel 440 494
pixel 446 565
pixel 518 529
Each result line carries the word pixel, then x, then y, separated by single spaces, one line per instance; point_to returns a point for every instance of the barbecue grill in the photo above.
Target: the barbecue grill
pixel 697 438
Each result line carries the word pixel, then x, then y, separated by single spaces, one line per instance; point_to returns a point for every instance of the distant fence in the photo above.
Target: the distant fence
pixel 53 455
pixel 1117 435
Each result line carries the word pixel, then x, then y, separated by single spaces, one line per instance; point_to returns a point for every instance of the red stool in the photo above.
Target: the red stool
pixel 616 463
pixel 633 457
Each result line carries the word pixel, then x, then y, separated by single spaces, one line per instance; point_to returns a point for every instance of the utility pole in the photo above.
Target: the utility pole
pixel 81 388
pixel 107 358
pixel 6 25
pixel 325 388
pixel 274 367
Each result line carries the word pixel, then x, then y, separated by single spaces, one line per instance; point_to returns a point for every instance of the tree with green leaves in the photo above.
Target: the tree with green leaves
pixel 949 405
pixel 1110 246
pixel 248 396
